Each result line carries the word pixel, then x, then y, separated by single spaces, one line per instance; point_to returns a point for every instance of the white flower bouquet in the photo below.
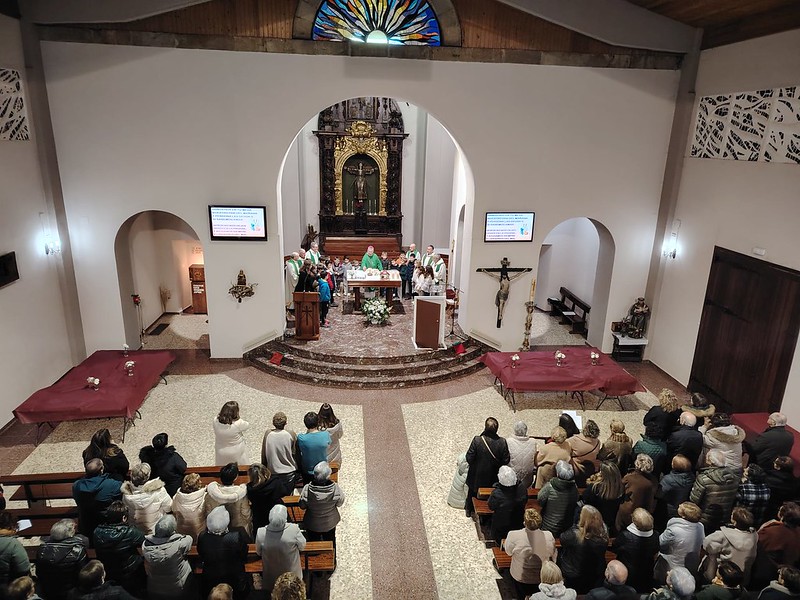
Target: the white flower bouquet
pixel 375 311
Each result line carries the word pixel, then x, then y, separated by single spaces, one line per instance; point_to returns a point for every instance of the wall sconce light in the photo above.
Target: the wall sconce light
pixel 52 245
pixel 670 247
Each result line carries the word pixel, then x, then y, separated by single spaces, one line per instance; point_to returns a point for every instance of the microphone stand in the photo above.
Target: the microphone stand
pixel 453 313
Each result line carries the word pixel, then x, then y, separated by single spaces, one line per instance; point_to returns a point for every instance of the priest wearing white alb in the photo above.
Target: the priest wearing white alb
pixel 292 274
pixel 313 253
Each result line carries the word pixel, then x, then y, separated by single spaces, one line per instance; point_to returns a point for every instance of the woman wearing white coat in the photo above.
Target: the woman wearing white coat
pixel 229 431
pixel 146 499
pixel 188 506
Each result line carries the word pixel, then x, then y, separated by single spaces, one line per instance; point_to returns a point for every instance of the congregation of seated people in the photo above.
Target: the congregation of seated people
pixel 142 521
pixel 691 510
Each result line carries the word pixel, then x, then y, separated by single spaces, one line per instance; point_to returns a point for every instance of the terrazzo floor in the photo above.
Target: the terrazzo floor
pixel 398 537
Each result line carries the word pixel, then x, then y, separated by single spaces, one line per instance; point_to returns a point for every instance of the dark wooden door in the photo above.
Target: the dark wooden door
pixel 428 322
pixel 748 333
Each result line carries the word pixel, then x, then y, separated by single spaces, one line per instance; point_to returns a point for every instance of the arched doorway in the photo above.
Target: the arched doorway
pixel 577 254
pixel 154 251
pixel 429 197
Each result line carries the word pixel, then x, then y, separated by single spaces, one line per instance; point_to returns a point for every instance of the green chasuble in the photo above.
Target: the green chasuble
pixel 314 256
pixel 415 254
pixel 296 264
pixel 427 260
pixel 371 262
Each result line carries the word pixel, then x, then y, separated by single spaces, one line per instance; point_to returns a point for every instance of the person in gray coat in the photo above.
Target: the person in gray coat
pixel 321 500
pixel 279 544
pixel 681 542
pixel 169 574
pixel 714 491
pixel 458 489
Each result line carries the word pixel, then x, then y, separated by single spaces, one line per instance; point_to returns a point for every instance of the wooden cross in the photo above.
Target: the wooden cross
pixel 502 275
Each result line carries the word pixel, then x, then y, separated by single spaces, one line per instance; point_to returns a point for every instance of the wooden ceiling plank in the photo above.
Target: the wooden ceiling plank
pixel 767 23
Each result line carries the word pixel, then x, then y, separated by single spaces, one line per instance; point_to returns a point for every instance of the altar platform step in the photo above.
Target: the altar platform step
pixel 411 370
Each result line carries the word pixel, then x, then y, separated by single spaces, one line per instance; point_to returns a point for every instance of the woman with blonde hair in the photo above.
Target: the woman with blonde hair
pixel 664 415
pixel 552 585
pixel 618 447
pixel 583 550
pixel 548 455
pixel 229 431
pixel 529 549
pixel 188 506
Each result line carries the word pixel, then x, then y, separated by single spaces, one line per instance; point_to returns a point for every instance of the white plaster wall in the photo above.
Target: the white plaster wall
pixel 570 261
pixel 146 258
pixel 440 155
pixel 292 215
pixel 33 344
pixel 734 204
pixel 413 182
pixel 573 142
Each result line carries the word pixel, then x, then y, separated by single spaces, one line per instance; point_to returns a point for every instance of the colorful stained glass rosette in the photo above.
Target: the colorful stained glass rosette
pixel 402 21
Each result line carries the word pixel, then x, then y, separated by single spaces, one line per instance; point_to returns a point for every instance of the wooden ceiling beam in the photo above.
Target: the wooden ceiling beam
pixel 778 20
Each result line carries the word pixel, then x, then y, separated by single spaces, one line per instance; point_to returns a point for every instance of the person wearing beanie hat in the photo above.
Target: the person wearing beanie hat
pixel 507 500
pixel 224 552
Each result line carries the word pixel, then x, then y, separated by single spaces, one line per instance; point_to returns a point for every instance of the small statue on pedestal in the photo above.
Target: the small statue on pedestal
pixel 635 324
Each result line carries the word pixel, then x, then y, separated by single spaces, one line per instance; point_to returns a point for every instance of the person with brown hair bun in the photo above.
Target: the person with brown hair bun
pixel 529 548
pixel 229 445
pixel 188 506
pixel 618 447
pixel 115 463
pixel 547 456
pixel 585 448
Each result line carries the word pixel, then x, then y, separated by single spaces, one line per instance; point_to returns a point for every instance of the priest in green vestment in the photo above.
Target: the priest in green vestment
pixel 371 260
pixel 292 274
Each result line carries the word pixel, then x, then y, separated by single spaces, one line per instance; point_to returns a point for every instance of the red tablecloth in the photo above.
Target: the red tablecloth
pixel 70 398
pixel 537 372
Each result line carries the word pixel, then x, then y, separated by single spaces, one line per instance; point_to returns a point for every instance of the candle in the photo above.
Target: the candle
pixel 533 290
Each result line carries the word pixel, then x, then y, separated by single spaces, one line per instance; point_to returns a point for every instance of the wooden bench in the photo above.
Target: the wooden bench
pixel 37 490
pixel 502 560
pixel 572 310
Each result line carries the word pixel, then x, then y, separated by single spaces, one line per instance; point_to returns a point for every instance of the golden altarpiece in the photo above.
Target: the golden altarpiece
pixel 361 164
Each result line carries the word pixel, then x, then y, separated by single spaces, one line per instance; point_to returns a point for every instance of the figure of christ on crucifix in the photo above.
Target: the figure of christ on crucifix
pixel 360 187
pixel 502 275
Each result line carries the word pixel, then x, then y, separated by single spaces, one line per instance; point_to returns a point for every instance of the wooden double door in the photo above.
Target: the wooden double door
pixel 748 333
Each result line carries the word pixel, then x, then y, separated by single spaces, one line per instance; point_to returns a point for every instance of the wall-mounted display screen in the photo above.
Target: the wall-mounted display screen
pixel 238 223
pixel 8 268
pixel 509 227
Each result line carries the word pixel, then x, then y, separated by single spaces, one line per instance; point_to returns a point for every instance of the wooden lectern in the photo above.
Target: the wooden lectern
pixel 306 315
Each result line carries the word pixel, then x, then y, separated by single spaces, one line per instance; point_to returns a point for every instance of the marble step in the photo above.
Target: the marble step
pixel 386 368
pixel 296 352
pixel 374 380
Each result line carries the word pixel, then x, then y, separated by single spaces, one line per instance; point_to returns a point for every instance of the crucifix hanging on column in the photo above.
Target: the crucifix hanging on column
pixel 503 275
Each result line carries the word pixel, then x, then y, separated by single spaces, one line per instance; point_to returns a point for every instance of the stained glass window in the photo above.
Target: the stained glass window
pixel 400 21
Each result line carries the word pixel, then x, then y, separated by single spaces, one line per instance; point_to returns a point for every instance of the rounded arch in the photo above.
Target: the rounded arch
pixel 153 250
pixel 578 253
pixel 449 24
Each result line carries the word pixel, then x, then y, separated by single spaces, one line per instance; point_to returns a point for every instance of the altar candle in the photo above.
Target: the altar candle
pixel 533 290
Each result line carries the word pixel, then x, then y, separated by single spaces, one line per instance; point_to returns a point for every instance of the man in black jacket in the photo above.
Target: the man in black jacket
pixel 685 439
pixel 60 559
pixel 614 587
pixel 117 545
pixel 487 453
pixel 774 442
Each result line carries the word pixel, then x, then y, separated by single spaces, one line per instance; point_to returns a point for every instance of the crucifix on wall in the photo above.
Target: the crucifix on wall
pixel 503 276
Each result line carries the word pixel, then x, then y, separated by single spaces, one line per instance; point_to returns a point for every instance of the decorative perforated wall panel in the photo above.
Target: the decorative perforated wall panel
pixel 13 118
pixel 757 126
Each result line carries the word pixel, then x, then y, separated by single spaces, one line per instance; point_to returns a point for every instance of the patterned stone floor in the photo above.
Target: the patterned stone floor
pixel 399 538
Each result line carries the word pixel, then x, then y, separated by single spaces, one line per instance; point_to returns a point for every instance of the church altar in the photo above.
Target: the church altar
pixel 372 278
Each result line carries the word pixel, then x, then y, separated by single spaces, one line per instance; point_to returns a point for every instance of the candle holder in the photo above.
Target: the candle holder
pixel 560 356
pixel 125 349
pixel 129 367
pixel 514 361
pixel 595 357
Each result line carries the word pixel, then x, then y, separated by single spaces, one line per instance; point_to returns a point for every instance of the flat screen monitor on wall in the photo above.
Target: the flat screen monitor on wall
pixel 8 268
pixel 238 223
pixel 509 227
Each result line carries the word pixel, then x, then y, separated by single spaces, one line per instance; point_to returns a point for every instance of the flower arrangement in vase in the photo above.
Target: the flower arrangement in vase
pixel 375 311
pixel 514 361
pixel 560 356
pixel 129 367
pixel 595 357
pixel 93 382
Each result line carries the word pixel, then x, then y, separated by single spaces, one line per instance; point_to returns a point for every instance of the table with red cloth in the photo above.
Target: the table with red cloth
pixel 71 398
pixel 754 424
pixel 538 372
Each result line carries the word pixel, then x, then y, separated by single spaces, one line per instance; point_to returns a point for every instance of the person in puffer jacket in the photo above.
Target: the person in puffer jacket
pixel 714 491
pixel 117 545
pixel 169 575
pixel 146 499
pixel 60 559
pixel 726 437
pixel 188 506
pixel 233 497
pixel 458 489
pixel 321 500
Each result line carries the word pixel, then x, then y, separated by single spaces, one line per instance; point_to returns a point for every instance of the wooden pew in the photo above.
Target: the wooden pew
pixel 502 561
pixel 572 310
